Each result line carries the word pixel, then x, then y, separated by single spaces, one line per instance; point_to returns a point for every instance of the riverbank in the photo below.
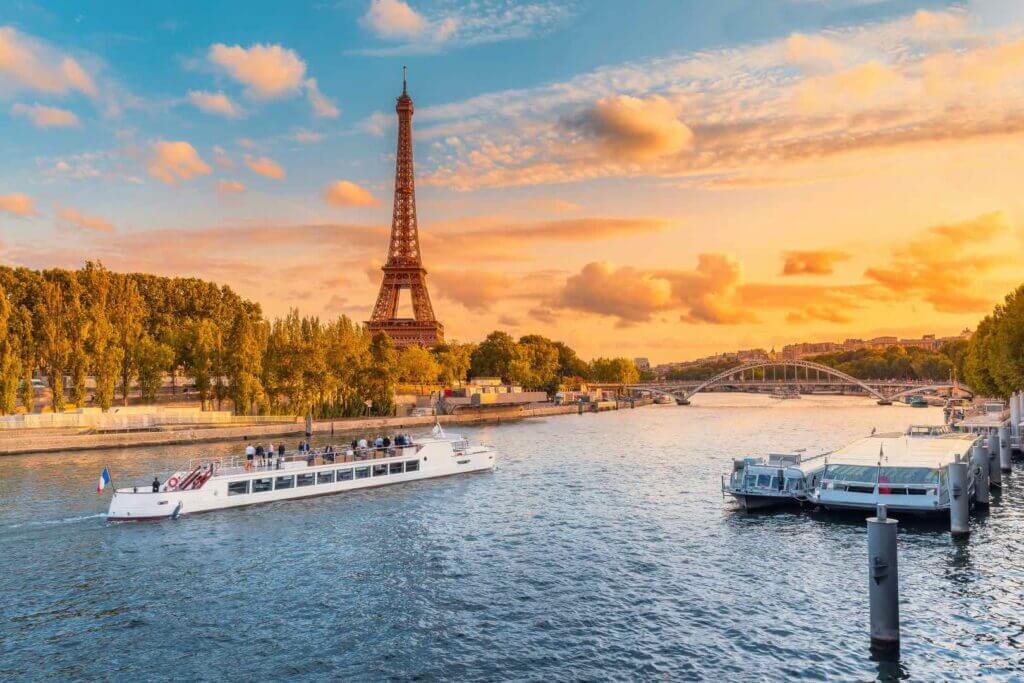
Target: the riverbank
pixel 27 441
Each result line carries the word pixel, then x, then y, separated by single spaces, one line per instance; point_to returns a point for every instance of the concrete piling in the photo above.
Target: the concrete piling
pixel 995 474
pixel 979 463
pixel 883 583
pixel 959 503
pixel 1005 463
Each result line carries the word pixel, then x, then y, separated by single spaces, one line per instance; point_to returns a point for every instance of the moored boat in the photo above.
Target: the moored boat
pixel 217 485
pixel 781 479
pixel 904 470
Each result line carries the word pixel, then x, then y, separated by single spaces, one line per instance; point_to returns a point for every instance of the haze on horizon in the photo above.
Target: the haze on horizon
pixel 667 179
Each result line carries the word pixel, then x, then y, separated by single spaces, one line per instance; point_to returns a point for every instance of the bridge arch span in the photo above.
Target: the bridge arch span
pixel 722 377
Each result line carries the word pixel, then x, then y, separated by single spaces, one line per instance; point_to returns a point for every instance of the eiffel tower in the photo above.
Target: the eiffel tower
pixel 403 268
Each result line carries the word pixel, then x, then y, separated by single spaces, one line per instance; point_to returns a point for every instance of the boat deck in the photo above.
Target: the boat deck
pixel 898 449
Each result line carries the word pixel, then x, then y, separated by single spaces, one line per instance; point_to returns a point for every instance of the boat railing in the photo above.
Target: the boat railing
pixel 237 464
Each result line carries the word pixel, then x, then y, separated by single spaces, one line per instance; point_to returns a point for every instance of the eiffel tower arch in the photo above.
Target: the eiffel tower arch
pixel 403 268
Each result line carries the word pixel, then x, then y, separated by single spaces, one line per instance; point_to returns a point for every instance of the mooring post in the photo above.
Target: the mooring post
pixel 995 474
pixel 1005 463
pixel 979 462
pixel 883 583
pixel 959 504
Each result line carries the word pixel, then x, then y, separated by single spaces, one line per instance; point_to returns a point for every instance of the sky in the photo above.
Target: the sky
pixel 666 179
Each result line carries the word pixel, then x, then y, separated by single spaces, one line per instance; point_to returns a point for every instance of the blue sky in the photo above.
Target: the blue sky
pixel 677 151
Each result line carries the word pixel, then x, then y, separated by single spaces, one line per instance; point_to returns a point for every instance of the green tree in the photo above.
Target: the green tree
pixel 127 309
pixel 10 364
pixel 202 342
pixel 453 360
pixel 152 358
pixel 244 364
pixel 54 346
pixel 494 356
pixel 617 370
pixel 416 365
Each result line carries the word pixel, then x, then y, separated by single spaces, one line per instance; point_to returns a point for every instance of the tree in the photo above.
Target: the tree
pixel 617 370
pixel 127 309
pixel 379 388
pixel 105 356
pixel 152 358
pixel 416 365
pixel 493 357
pixel 10 365
pixel 537 364
pixel 244 363
pixel 453 360
pixel 201 346
pixel 54 346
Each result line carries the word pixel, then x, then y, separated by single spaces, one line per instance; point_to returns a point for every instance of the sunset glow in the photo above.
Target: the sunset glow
pixel 655 179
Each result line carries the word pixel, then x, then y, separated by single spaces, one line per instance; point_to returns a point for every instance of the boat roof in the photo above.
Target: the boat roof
pixel 900 449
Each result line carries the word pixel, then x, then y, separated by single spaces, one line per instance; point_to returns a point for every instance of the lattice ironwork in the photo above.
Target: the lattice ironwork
pixel 404 267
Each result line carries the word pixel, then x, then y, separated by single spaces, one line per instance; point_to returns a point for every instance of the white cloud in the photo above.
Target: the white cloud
pixel 74 218
pixel 17 204
pixel 484 21
pixel 264 166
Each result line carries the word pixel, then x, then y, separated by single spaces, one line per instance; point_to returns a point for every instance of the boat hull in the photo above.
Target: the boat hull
pixel 750 501
pixel 127 505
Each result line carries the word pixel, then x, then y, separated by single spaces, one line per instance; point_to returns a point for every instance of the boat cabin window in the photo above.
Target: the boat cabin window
pixel 325 477
pixel 345 475
pixel 868 474
pixel 412 465
pixel 380 470
pixel 284 483
pixel 764 480
pixel 306 479
pixel 362 472
pixel 395 468
pixel 261 485
pixel 751 481
pixel 238 488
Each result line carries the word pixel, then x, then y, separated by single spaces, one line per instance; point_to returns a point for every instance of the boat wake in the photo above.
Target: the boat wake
pixel 58 522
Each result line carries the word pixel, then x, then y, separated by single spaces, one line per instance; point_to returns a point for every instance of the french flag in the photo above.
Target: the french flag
pixel 104 480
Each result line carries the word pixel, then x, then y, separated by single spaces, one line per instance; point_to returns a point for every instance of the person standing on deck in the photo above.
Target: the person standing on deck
pixel 250 454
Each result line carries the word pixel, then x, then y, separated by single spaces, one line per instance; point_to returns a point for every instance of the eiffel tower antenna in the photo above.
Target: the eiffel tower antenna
pixel 403 268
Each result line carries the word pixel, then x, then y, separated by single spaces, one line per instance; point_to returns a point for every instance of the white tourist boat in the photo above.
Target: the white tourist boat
pixel 779 480
pixel 216 485
pixel 904 470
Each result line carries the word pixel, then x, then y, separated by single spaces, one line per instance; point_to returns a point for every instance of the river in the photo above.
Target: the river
pixel 601 548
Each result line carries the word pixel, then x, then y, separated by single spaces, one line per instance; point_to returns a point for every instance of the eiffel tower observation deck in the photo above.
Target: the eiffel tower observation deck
pixel 403 268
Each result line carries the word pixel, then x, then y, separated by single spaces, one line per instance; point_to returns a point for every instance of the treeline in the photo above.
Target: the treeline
pixel 994 358
pixel 897 362
pixel 120 330
pixel 131 330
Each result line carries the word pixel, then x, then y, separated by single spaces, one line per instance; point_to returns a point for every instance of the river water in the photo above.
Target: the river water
pixel 601 548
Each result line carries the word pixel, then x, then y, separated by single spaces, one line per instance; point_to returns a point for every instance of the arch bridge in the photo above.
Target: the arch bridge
pixel 796 374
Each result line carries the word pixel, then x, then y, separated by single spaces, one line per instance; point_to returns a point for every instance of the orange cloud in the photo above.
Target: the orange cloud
pixel 626 293
pixel 75 218
pixel 17 204
pixel 813 52
pixel 30 64
pixel 265 166
pixel 227 187
pixel 814 313
pixel 170 162
pixel 214 103
pixel 637 129
pixel 322 105
pixel 393 19
pixel 267 71
pixel 812 262
pixel 345 193
pixel 942 265
pixel 46 117
pixel 477 290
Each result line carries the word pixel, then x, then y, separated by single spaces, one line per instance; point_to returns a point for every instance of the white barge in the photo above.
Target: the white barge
pixel 216 485
pixel 907 471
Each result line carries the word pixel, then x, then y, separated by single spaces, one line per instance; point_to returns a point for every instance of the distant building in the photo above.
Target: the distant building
pixel 642 364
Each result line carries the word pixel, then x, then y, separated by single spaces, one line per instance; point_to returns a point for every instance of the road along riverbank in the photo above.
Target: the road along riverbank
pixel 27 441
